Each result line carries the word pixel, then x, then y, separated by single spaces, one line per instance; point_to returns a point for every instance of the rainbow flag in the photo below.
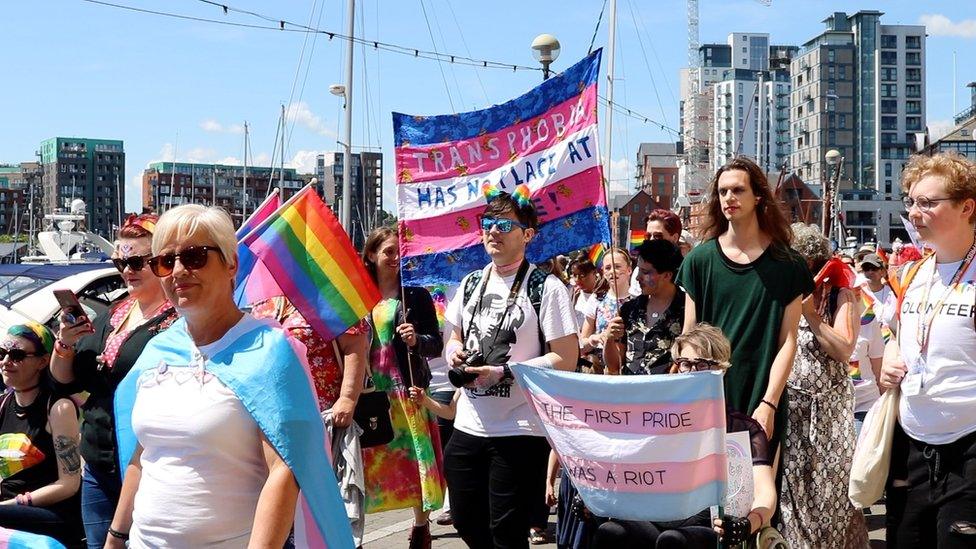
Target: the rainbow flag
pixel 309 255
pixel 546 139
pixel 636 447
pixel 596 253
pixel 252 276
pixel 868 316
pixel 15 539
pixel 637 238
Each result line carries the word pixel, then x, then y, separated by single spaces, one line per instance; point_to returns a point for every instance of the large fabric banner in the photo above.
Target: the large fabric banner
pixel 635 447
pixel 546 139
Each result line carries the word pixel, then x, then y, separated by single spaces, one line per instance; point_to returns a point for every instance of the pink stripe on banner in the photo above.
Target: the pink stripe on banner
pixel 637 418
pixel 493 150
pixel 647 478
pixel 462 228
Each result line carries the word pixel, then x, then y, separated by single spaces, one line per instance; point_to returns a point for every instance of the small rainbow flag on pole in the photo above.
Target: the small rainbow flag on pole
pixel 637 238
pixel 315 265
pixel 596 253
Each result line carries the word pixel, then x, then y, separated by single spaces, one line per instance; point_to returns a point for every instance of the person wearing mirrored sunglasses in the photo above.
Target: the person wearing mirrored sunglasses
pixel 700 349
pixel 217 422
pixel 39 427
pixel 95 355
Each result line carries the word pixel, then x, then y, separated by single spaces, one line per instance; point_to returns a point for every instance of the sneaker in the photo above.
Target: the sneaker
pixel 420 537
pixel 445 519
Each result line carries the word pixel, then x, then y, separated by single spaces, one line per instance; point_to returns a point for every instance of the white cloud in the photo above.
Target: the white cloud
pixel 133 193
pixel 301 114
pixel 304 161
pixel 166 154
pixel 940 128
pixel 213 126
pixel 940 25
pixel 619 176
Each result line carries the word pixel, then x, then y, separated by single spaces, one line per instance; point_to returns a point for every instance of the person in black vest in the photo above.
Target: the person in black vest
pixel 40 466
pixel 496 459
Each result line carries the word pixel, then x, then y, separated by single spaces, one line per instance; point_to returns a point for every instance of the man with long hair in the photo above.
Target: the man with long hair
pixel 745 279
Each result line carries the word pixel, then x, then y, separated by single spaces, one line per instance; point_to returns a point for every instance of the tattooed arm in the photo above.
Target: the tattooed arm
pixel 63 424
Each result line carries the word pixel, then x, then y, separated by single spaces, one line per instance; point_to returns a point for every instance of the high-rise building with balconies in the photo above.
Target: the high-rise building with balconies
pixel 92 170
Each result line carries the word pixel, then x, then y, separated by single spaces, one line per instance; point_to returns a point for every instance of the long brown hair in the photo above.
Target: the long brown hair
pixel 769 212
pixel 373 242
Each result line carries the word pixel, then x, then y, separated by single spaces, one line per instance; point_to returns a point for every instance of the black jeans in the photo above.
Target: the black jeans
pixel 65 528
pixel 941 490
pixel 495 483
pixel 627 534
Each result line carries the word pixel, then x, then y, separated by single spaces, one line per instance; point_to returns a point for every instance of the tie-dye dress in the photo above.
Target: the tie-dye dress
pixel 407 471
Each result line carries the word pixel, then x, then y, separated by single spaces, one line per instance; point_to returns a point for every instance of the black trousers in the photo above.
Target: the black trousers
pixel 941 490
pixel 627 534
pixel 495 484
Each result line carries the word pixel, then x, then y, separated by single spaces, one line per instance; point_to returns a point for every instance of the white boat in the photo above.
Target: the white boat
pixel 63 241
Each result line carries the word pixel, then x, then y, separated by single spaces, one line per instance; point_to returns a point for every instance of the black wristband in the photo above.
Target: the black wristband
pixel 770 404
pixel 118 535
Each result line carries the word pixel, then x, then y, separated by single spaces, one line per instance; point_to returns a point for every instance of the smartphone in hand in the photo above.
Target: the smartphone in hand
pixel 71 307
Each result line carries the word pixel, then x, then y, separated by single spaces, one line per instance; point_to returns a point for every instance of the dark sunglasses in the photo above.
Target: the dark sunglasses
pixel 16 355
pixel 504 225
pixel 192 258
pixel 135 262
pixel 695 364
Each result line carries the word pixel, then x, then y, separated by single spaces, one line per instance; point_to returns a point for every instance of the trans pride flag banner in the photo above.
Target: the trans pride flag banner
pixel 635 447
pixel 546 139
pixel 15 539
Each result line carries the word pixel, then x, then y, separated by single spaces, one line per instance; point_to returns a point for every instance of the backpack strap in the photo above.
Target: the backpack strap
pixel 535 289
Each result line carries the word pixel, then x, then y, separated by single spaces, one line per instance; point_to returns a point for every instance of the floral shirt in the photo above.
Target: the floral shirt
pixel 322 362
pixel 649 346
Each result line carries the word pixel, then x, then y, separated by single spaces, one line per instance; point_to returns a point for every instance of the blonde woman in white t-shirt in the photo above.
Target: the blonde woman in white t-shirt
pixel 933 361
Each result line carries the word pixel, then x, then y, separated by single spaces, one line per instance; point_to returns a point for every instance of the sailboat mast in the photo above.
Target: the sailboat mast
pixel 347 152
pixel 281 172
pixel 244 190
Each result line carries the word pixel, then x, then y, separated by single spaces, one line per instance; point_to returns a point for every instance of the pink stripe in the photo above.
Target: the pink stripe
pixel 636 418
pixel 260 284
pixel 647 478
pixel 461 229
pixel 495 148
pixel 312 536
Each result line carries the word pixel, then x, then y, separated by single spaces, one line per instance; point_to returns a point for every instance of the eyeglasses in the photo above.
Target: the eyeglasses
pixel 924 203
pixel 686 365
pixel 16 355
pixel 192 258
pixel 135 262
pixel 504 225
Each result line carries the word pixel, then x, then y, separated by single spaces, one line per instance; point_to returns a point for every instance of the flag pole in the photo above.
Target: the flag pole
pixel 284 205
pixel 403 305
pixel 611 48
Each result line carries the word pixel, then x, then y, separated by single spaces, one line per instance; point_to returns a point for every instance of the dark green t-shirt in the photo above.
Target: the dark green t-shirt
pixel 747 303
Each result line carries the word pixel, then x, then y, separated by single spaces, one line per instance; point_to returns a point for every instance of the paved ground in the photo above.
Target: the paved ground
pixel 390 530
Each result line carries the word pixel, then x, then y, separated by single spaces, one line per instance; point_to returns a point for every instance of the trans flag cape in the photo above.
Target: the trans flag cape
pixel 635 447
pixel 258 364
pixel 15 539
pixel 546 139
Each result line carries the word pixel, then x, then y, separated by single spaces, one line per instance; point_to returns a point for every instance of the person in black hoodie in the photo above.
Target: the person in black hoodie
pixel 95 355
pixel 408 471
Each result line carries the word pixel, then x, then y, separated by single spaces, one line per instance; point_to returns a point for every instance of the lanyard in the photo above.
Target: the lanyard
pixel 924 328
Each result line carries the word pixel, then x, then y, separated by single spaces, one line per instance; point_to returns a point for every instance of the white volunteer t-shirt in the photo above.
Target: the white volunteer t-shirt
pixel 869 345
pixel 944 410
pixel 502 410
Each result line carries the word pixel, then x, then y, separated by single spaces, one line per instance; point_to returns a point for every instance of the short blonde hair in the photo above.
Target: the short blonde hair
pixel 708 341
pixel 958 171
pixel 191 219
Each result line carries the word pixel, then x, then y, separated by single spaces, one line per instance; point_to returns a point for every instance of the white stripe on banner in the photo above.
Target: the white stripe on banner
pixel 574 154
pixel 638 448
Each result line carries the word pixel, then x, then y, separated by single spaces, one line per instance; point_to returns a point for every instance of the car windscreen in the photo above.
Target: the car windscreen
pixel 15 287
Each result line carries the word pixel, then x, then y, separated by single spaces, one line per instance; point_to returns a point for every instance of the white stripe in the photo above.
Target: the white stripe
pixel 637 448
pixel 458 195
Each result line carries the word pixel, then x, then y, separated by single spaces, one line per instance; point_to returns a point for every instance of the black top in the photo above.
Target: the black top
pixel 649 347
pixel 430 343
pixel 98 445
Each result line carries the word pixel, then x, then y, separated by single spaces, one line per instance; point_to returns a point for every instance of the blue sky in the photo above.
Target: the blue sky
pixel 175 87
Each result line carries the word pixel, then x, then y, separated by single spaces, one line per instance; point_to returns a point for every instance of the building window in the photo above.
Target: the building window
pixel 913 90
pixel 889 90
pixel 889 122
pixel 889 106
pixel 842 121
pixel 887 186
pixel 913 75
pixel 913 42
pixel 830 56
pixel 889 74
pixel 913 107
pixel 889 41
pixel 913 58
pixel 913 123
pixel 889 58
pixel 889 138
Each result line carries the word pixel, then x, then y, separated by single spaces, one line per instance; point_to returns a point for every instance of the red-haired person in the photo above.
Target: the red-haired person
pixel 94 355
pixel 932 501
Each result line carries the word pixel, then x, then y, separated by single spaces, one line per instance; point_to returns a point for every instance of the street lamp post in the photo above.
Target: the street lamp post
pixel 835 159
pixel 545 49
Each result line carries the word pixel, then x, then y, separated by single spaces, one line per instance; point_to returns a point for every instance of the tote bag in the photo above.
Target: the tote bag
pixel 872 457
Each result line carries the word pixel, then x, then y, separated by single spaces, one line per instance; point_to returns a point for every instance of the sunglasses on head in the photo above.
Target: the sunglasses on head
pixel 503 225
pixel 135 262
pixel 16 355
pixel 192 258
pixel 694 364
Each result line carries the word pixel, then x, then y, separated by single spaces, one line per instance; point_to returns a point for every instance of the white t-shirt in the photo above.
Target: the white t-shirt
pixel 502 410
pixel 944 409
pixel 869 345
pixel 580 307
pixel 203 467
pixel 438 366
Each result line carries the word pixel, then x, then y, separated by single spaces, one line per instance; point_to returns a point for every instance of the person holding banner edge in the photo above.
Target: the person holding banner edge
pixel 746 280
pixel 495 462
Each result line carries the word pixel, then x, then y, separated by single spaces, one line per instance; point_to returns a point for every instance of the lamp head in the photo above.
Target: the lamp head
pixel 545 48
pixel 337 90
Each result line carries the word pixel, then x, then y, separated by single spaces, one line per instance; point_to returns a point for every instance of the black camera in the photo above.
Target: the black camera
pixel 458 376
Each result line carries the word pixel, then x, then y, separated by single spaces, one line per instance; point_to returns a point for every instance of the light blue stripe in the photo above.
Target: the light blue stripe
pixel 656 507
pixel 667 389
